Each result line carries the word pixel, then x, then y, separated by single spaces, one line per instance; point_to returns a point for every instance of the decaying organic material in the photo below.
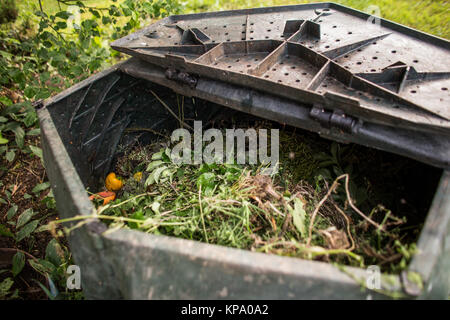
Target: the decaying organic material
pixel 312 208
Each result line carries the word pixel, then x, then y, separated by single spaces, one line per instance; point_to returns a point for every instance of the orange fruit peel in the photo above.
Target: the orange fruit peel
pixel 113 183
pixel 106 196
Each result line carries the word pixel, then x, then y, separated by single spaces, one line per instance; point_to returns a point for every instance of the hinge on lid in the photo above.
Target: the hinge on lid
pixel 182 77
pixel 333 119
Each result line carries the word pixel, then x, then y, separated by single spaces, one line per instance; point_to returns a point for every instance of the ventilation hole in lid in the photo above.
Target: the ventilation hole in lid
pixel 325 86
pixel 266 76
pixel 226 33
pixel 350 32
pixel 176 43
pixel 251 31
pixel 394 51
pixel 229 66
pixel 359 50
pixel 248 66
pixel 271 22
pixel 375 58
pixel 243 38
pixel 251 38
pixel 256 59
pixel 444 89
pixel 237 60
pixel 286 74
pixel 395 106
pixel 282 36
pixel 280 81
pixel 281 62
pixel 346 56
pixel 378 99
pixel 293 67
pixel 310 47
pixel 224 26
pixel 359 62
pixel 205 28
pixel 274 69
pixel 373 70
pixel 304 73
pixel 320 20
pixel 374 42
pixel 327 47
pixel 267 37
pixel 243 24
pixel 413 91
pixel 297 80
pixel 243 32
pixel 252 23
pixel 337 40
pixel 268 30
pixel 415 61
pixel 334 26
pixel 228 39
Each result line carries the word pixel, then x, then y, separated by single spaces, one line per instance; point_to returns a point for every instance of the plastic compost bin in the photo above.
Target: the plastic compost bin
pixel 82 127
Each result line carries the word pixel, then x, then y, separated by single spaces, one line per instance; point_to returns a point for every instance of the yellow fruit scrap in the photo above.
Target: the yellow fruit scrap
pixel 137 176
pixel 113 183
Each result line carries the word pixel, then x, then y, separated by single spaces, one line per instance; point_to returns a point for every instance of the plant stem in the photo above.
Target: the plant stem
pixel 201 212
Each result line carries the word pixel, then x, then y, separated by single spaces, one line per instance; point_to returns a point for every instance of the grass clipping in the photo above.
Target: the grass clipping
pixel 236 206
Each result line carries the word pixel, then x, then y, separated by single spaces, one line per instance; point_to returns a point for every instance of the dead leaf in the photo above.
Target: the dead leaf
pixel 335 239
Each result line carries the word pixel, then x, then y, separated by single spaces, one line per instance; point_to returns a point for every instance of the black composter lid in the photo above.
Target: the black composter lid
pixel 360 78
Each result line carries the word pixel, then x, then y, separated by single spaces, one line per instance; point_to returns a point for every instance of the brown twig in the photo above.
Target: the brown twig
pixel 348 226
pixel 333 187
pixel 170 110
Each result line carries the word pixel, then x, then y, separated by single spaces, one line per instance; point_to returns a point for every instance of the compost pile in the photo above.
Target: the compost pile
pixel 334 206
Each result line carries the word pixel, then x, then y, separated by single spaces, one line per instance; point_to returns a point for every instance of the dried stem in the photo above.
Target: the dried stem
pixel 350 201
pixel 201 212
pixel 170 110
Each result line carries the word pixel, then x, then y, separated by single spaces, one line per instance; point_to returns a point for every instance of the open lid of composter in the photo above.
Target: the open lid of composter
pixel 347 66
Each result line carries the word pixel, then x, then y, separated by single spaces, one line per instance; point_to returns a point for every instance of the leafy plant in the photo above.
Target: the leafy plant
pixel 5 289
pixel 336 163
pixel 8 11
